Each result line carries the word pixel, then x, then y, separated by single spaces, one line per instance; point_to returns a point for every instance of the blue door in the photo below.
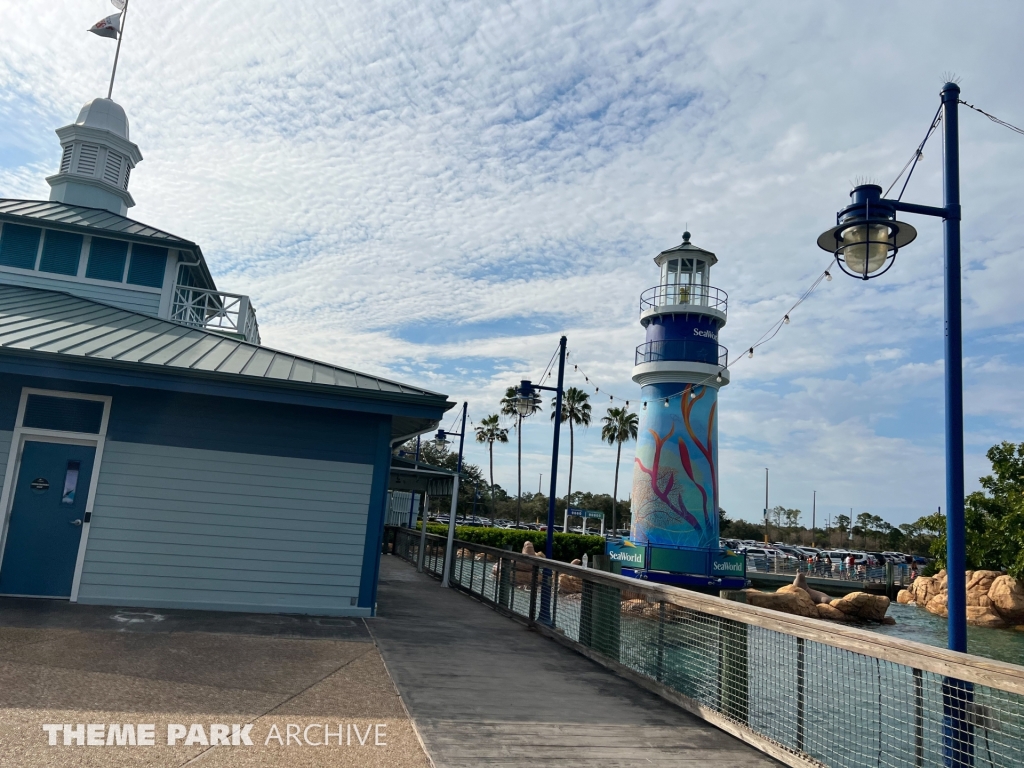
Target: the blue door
pixel 46 519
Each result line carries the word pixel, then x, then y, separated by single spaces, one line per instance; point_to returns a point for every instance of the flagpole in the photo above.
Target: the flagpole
pixel 120 34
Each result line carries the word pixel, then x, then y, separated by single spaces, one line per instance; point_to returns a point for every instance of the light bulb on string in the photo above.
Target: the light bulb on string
pixel 693 395
pixel 645 405
pixel 828 275
pixel 666 402
pixel 786 319
pixel 750 352
pixel 718 378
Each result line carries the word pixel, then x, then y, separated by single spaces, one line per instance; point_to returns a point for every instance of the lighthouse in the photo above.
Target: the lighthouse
pixel 680 367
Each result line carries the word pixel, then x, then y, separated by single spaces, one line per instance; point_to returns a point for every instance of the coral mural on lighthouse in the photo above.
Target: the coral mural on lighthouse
pixel 675 472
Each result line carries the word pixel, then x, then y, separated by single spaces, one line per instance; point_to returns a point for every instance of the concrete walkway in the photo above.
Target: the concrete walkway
pixel 90 665
pixel 483 690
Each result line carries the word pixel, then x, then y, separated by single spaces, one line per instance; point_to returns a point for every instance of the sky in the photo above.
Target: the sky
pixel 436 191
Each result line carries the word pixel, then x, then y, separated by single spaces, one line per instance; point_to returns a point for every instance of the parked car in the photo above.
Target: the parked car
pixel 793 551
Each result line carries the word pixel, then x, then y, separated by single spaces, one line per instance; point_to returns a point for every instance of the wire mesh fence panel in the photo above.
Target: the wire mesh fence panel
pixel 806 691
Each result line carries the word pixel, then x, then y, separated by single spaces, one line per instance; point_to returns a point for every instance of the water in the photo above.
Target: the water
pixel 915 623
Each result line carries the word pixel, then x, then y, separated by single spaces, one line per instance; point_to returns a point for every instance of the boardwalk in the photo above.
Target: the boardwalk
pixel 485 691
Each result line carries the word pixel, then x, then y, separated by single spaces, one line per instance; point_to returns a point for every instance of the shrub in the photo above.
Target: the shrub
pixel 566 547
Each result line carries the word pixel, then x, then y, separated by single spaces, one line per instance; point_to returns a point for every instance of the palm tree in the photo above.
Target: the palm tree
pixel 619 426
pixel 508 408
pixel 575 410
pixel 490 431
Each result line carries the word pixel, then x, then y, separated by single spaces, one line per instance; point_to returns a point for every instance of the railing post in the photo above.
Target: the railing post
pixel 733 670
pixel 918 718
pixel 533 594
pixel 659 669
pixel 423 532
pixel 957 728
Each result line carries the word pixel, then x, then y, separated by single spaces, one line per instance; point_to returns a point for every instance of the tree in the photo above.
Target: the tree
pixel 575 410
pixel 509 407
pixel 993 517
pixel 619 426
pixel 490 431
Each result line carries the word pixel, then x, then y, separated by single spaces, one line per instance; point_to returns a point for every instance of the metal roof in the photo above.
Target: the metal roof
pixel 34 320
pixel 78 216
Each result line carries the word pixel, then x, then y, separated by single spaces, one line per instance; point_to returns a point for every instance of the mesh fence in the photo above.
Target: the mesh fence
pixel 823 693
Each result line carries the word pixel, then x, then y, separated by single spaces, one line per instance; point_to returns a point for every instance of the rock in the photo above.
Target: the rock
pixel 818 597
pixel 981 580
pixel 980 599
pixel 937 605
pixel 924 589
pixel 785 602
pixel 1008 596
pixel 862 605
pixel 570 585
pixel 826 611
pixel 806 604
pixel 888 620
pixel 984 617
pixel 636 605
pixel 905 597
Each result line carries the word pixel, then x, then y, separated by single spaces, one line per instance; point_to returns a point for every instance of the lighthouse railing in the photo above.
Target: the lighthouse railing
pixel 689 350
pixel 806 691
pixel 675 294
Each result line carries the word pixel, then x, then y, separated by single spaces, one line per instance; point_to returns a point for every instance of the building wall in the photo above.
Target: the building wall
pixel 147 302
pixel 219 503
pixel 184 527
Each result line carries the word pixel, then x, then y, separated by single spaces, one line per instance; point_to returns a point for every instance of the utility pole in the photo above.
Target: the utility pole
pixel 814 512
pixel 766 505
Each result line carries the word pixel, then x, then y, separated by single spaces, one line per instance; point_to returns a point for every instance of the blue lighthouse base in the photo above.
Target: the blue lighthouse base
pixel 699 569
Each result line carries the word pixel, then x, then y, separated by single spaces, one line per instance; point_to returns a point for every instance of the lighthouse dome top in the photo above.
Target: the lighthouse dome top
pixel 106 115
pixel 688 249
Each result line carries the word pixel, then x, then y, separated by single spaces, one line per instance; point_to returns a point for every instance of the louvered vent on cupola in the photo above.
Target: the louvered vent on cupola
pixel 87 159
pixel 65 160
pixel 112 168
pixel 127 173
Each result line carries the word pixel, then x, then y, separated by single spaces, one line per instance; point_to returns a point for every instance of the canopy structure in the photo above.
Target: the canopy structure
pixel 586 514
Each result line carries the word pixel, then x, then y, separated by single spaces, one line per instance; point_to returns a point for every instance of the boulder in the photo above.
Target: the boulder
pixel 816 596
pixel 826 611
pixel 1007 593
pixel 636 605
pixel 924 588
pixel 805 604
pixel 937 605
pixel 981 581
pixel 888 620
pixel 905 597
pixel 785 602
pixel 570 585
pixel 862 605
pixel 979 599
pixel 984 617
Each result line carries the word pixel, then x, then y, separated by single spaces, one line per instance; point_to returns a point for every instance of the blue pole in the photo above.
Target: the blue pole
pixel 412 496
pixel 447 568
pixel 546 576
pixel 956 558
pixel 957 695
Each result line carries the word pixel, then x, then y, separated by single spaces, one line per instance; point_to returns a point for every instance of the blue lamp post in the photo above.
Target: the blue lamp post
pixel 526 400
pixel 865 241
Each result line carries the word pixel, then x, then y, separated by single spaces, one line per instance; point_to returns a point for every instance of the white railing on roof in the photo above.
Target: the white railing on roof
pixel 228 313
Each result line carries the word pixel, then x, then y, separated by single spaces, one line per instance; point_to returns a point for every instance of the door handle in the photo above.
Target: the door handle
pixel 75 522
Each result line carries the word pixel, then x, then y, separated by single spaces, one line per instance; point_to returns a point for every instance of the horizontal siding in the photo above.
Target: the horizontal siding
pixel 5 450
pixel 193 528
pixel 127 298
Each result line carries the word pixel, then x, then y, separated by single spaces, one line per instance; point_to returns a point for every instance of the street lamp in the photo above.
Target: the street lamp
pixel 865 241
pixel 525 397
pixel 441 440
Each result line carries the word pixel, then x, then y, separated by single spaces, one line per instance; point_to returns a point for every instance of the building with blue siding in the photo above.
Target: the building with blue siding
pixel 152 452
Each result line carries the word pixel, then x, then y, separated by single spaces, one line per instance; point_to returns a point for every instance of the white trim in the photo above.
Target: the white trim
pixel 83 257
pixel 680 372
pixel 18 440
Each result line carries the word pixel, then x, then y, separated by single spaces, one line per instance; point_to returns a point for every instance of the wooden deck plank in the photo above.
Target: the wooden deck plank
pixel 485 691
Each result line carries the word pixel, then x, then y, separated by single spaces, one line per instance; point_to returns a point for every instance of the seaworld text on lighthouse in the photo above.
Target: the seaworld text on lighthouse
pixel 680 368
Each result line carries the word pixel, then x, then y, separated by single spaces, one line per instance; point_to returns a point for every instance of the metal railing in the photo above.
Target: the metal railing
pixel 215 311
pixel 689 350
pixel 870 574
pixel 673 294
pixel 807 692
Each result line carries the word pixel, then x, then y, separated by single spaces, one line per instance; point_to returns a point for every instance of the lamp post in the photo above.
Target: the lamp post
pixel 525 400
pixel 441 439
pixel 865 241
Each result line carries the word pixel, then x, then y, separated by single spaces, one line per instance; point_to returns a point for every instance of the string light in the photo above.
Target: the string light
pixel 666 402
pixel 786 319
pixel 718 378
pixel 693 395
pixel 828 275
pixel 750 352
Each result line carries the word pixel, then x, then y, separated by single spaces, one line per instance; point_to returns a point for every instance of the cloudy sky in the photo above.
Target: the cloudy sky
pixel 435 191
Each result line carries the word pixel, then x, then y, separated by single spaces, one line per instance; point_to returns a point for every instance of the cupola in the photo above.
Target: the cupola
pixel 96 159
